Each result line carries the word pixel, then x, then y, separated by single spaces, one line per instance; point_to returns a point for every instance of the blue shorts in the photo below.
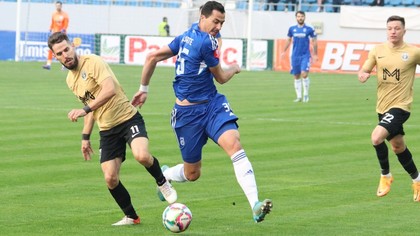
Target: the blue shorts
pixel 194 124
pixel 299 64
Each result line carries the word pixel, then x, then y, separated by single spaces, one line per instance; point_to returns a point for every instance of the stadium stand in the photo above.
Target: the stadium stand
pixel 259 5
pixel 142 3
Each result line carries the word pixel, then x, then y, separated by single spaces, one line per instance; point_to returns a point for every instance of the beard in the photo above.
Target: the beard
pixel 74 65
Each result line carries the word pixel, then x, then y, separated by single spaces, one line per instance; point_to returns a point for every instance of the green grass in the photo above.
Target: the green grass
pixel 314 160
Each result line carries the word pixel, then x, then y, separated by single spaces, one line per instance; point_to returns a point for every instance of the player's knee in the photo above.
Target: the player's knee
pixel 111 180
pixel 376 140
pixel 144 158
pixel 192 175
pixel 398 147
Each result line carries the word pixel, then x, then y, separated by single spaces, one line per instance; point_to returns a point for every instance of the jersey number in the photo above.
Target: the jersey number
pixel 387 119
pixel 180 69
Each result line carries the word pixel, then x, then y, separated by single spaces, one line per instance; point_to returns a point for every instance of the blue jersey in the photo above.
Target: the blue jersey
pixel 196 51
pixel 301 39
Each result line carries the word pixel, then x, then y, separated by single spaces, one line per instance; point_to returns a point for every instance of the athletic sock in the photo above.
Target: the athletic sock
pixel 176 173
pixel 245 176
pixel 298 88
pixel 306 83
pixel 406 160
pixel 156 172
pixel 123 199
pixel 382 154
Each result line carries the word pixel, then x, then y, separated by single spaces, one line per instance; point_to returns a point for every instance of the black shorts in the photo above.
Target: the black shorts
pixel 114 141
pixel 393 121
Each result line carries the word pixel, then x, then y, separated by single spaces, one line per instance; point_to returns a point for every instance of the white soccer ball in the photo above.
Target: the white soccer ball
pixel 177 217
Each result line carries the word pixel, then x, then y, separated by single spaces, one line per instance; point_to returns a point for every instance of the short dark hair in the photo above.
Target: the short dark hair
pixel 209 6
pixel 59 2
pixel 299 12
pixel 396 18
pixel 57 37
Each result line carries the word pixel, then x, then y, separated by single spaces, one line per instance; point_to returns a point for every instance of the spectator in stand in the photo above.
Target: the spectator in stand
pixel 336 5
pixel 379 3
pixel 320 5
pixel 292 5
pixel 271 4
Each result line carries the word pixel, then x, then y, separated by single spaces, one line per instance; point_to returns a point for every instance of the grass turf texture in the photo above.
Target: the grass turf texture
pixel 314 160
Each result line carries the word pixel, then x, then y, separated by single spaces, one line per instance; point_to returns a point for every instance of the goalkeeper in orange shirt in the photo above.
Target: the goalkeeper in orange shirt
pixel 59 23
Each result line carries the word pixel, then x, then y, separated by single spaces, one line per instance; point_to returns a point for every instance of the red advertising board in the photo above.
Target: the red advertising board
pixel 333 56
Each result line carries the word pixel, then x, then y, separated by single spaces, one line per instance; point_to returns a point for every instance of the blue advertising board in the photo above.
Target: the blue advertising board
pixel 33 45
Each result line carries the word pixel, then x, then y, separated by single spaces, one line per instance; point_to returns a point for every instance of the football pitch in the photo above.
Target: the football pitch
pixel 314 160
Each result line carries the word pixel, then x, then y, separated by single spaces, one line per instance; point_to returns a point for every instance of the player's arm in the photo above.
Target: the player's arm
pixel 87 130
pixel 370 63
pixel 223 76
pixel 315 48
pixel 286 46
pixel 65 24
pixel 52 24
pixel 106 93
pixel 148 69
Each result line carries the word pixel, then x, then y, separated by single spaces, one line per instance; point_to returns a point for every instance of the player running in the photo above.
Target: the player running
pixel 200 112
pixel 395 63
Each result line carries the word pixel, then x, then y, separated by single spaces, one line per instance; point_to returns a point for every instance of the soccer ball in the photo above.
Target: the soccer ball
pixel 176 217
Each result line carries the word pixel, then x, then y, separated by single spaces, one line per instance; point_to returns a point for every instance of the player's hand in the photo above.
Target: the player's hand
pixel 87 150
pixel 236 68
pixel 314 58
pixel 363 76
pixel 76 113
pixel 282 56
pixel 139 99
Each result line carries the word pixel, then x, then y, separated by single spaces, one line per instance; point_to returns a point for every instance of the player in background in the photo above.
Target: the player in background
pixel 200 112
pixel 59 23
pixel 301 35
pixel 164 27
pixel 119 122
pixel 395 63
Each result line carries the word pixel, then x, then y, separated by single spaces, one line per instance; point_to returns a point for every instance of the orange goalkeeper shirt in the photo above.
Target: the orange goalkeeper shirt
pixel 59 21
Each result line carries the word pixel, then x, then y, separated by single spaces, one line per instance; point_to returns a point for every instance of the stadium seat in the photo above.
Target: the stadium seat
pixel 395 3
pixel 173 4
pixel 241 5
pixel 313 8
pixel 417 3
pixel 328 7
pixel 159 4
pixel 118 2
pixel 305 8
pixel 280 7
pixel 145 3
pixel 408 3
pixel 366 2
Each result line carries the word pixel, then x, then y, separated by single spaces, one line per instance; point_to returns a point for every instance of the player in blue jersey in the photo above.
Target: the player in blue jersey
pixel 218 35
pixel 301 34
pixel 200 112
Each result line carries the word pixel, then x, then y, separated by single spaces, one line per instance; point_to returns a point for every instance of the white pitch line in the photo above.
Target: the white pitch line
pixel 327 122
